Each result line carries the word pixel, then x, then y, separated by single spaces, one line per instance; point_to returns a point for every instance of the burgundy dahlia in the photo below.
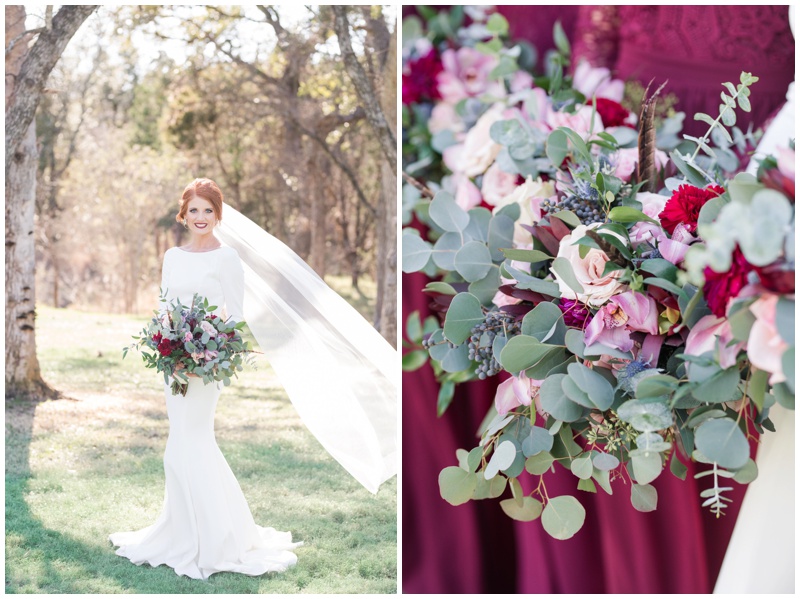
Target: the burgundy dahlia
pixel 721 287
pixel 777 277
pixel 684 206
pixel 575 313
pixel 419 78
pixel 612 113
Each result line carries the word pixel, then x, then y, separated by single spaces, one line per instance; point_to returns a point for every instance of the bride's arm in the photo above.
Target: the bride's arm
pixel 232 280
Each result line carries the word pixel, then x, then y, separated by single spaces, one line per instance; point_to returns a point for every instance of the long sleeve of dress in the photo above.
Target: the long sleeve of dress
pixel 162 304
pixel 231 277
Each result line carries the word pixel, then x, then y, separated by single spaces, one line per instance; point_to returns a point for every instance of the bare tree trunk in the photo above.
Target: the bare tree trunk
pixel 387 256
pixel 23 376
pixel 319 233
pixel 27 70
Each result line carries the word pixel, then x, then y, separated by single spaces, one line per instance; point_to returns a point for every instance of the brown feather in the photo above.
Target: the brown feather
pixel 647 169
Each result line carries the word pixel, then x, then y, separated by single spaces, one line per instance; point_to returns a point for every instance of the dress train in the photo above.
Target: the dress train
pixel 205 525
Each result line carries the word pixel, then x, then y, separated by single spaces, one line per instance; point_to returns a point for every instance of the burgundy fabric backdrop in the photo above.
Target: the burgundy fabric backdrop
pixel 475 548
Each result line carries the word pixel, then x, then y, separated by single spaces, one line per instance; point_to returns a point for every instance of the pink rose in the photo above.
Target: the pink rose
pixel 467 193
pixel 626 161
pixel 210 355
pixel 597 288
pixel 765 346
pixel 444 117
pixel 713 334
pixel 466 75
pixel 581 121
pixel 521 81
pixel 478 151
pixel 208 328
pixel 496 184
pixel 622 315
pixel 187 337
pixel 529 196
pixel 591 81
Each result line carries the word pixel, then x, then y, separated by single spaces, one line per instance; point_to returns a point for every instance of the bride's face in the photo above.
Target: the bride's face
pixel 200 216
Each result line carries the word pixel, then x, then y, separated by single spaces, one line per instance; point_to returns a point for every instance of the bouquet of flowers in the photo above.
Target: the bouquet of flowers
pixel 192 340
pixel 632 329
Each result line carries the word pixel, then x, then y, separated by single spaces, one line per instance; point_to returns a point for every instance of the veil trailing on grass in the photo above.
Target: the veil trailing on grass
pixel 338 371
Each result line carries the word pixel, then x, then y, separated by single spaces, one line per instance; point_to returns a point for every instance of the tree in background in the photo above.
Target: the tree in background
pixel 27 69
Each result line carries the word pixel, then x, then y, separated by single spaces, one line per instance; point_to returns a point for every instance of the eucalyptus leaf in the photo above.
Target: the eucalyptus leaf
pixel 440 287
pixel 563 269
pixel 644 498
pixel 487 287
pixel 523 351
pixel 582 467
pixel 562 517
pixel 556 147
pixel 594 385
pixel 447 214
pixel 537 441
pixel 456 486
pixel 540 321
pixel 722 441
pixel 539 463
pixel 501 235
pixel 646 467
pixel 645 416
pixel 604 461
pixel 457 359
pixel 478 227
pixel 529 510
pixel 556 402
pixel 490 489
pixel 464 313
pixel 445 250
pixel 503 456
pixel 721 387
pixel 747 473
pixel 473 261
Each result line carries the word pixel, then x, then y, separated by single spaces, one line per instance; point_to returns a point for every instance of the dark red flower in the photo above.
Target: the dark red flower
pixel 165 347
pixel 721 287
pixel 157 338
pixel 419 78
pixel 612 113
pixel 778 277
pixel 684 206
pixel 575 313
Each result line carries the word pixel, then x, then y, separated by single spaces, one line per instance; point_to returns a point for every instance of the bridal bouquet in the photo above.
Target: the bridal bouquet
pixel 192 340
pixel 634 326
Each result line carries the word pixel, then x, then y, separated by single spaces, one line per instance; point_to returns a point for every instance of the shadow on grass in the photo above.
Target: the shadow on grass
pixel 40 559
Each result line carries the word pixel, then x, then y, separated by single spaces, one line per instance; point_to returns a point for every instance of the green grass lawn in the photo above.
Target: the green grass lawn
pixel 90 464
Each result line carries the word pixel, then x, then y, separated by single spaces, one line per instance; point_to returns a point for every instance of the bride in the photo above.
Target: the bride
pixel 349 405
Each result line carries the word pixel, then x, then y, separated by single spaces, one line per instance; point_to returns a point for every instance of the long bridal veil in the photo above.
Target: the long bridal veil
pixel 338 372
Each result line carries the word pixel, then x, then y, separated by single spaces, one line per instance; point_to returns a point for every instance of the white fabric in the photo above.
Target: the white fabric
pixel 338 371
pixel 205 525
pixel 760 556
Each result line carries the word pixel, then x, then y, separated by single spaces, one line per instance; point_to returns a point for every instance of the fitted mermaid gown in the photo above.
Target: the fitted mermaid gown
pixel 205 525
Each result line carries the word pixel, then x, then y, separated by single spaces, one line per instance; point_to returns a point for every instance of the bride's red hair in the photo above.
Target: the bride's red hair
pixel 201 188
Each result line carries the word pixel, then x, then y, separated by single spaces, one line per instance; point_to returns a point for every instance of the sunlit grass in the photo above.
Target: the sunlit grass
pixel 82 467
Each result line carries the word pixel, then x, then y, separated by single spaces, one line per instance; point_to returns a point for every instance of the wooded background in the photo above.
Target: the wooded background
pixel 291 110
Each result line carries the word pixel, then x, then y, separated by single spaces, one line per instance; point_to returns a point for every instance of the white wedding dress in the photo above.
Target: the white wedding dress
pixel 205 525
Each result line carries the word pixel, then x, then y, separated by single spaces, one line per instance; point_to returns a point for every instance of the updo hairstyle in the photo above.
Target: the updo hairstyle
pixel 202 188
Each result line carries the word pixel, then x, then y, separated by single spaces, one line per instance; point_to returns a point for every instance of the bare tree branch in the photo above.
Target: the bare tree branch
pixel 40 60
pixel 364 88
